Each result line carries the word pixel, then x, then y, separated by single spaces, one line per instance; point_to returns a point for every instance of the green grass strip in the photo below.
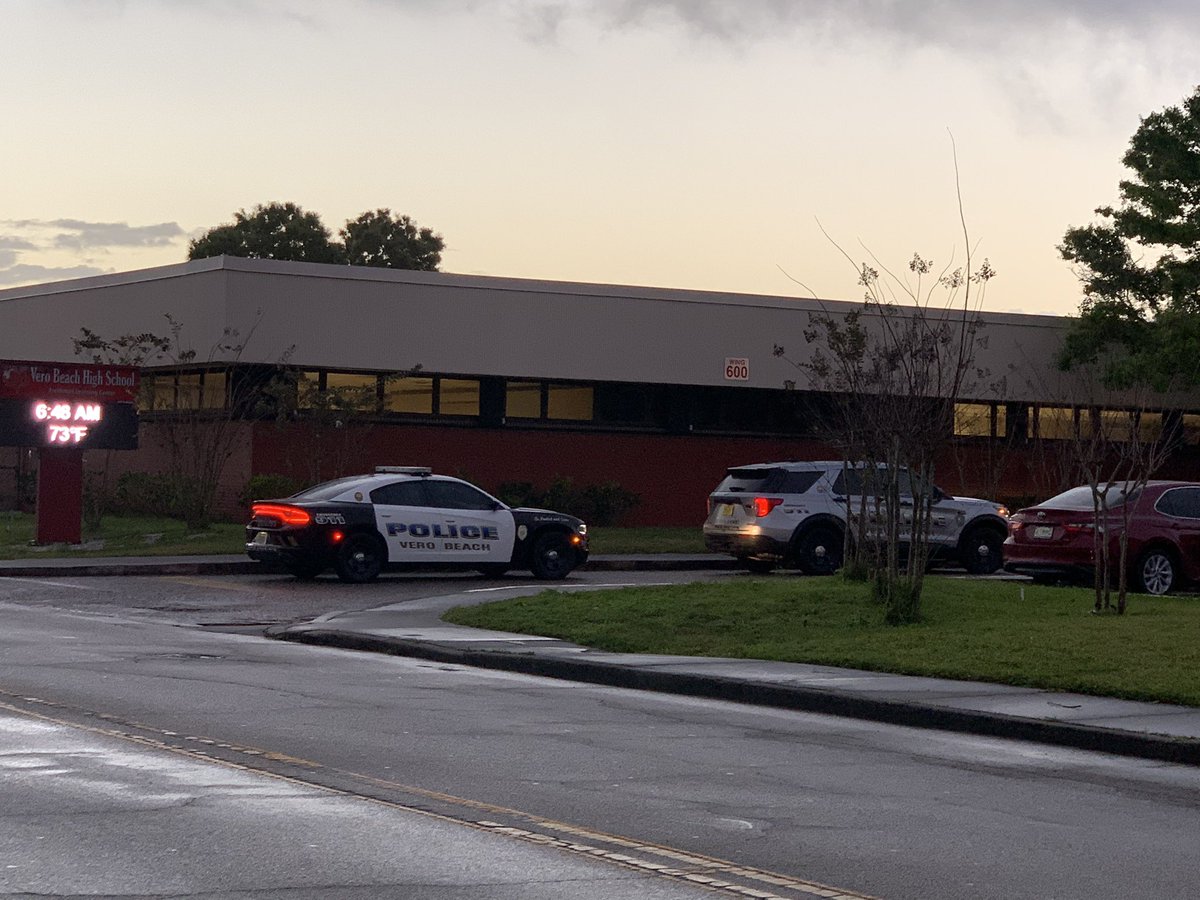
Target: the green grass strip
pixel 973 630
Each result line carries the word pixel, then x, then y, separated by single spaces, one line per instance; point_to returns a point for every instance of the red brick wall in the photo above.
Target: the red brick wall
pixel 672 474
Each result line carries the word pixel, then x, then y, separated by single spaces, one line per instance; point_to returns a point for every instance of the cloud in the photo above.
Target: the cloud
pixel 32 274
pixel 75 234
pixel 52 239
pixel 933 22
pixel 9 242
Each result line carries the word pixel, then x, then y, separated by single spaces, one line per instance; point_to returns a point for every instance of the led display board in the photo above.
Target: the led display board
pixel 90 407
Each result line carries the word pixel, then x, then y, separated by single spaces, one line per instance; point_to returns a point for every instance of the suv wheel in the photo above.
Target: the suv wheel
pixel 819 550
pixel 980 550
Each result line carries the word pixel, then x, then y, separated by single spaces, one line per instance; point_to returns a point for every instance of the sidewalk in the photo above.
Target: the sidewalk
pixel 414 628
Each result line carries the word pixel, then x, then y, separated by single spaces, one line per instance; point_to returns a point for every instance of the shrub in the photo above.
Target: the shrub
pixel 608 503
pixel 563 496
pixel 596 504
pixel 142 494
pixel 267 487
pixel 519 493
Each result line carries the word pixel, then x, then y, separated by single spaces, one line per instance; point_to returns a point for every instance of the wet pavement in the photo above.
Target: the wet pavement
pixel 414 628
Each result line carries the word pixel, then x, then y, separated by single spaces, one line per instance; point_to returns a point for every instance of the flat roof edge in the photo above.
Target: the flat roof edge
pixel 113 279
pixel 480 282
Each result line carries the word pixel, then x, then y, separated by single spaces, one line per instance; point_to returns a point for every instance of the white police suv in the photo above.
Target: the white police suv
pixel 794 514
pixel 405 516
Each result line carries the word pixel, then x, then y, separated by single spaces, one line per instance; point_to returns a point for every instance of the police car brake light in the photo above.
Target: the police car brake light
pixel 287 515
pixel 403 470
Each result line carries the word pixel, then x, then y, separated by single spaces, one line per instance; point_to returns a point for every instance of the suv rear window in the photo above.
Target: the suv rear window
pixel 852 482
pixel 758 481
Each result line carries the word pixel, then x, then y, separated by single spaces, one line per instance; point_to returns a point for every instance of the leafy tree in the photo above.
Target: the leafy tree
pixel 391 241
pixel 271 231
pixel 1140 265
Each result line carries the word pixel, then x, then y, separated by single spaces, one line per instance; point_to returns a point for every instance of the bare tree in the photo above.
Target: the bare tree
pixel 900 363
pixel 1113 442
pixel 339 416
pixel 126 350
pixel 899 370
pixel 199 427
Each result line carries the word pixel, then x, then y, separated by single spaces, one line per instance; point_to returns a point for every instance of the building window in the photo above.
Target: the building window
pixel 622 404
pixel 1150 427
pixel 569 401
pixel 157 393
pixel 351 392
pixel 1190 429
pixel 183 390
pixel 1056 423
pixel 215 390
pixel 458 397
pixel 187 391
pixel 523 400
pixel 408 395
pixel 307 385
pixel 349 381
pixel 973 419
pixel 1114 424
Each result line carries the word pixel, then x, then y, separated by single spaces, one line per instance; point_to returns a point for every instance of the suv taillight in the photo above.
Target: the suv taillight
pixel 764 505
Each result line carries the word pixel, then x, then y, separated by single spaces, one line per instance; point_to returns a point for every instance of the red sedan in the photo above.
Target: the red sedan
pixel 1055 539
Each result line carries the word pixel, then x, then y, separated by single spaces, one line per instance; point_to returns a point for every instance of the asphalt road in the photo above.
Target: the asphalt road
pixel 660 780
pixel 253 602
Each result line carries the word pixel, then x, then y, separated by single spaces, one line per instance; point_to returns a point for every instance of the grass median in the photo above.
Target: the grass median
pixel 997 631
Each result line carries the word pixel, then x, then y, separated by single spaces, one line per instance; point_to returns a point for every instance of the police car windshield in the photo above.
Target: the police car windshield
pixel 327 489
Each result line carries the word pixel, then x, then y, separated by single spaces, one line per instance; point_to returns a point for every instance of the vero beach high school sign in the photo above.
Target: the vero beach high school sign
pixel 92 407
pixel 63 409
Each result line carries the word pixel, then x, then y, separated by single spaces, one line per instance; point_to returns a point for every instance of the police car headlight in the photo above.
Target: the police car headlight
pixel 581 528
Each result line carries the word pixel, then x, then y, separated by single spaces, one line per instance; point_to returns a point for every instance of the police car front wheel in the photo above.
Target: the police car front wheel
pixel 360 559
pixel 553 556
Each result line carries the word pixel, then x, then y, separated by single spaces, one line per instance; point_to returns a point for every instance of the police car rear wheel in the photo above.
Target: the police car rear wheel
pixel 359 560
pixel 553 558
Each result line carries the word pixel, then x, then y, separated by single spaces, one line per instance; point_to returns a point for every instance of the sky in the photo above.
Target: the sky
pixel 750 146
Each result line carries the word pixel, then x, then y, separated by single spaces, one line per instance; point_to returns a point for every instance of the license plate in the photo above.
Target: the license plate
pixel 260 538
pixel 1043 532
pixel 726 510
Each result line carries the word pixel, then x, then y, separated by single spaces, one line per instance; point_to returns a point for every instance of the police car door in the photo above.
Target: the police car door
pixel 474 527
pixel 403 519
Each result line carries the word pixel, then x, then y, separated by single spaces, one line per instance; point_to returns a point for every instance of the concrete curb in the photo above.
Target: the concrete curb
pixel 83 568
pixel 201 566
pixel 1163 748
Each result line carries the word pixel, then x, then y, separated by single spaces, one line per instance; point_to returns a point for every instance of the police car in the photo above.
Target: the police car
pixel 407 516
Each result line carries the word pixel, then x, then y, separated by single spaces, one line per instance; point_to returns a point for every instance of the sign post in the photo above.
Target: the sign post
pixel 63 409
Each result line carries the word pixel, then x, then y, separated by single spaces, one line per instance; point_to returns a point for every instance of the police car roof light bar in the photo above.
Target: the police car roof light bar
pixel 403 470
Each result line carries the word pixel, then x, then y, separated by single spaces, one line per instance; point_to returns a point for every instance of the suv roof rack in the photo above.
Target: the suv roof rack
pixel 403 470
